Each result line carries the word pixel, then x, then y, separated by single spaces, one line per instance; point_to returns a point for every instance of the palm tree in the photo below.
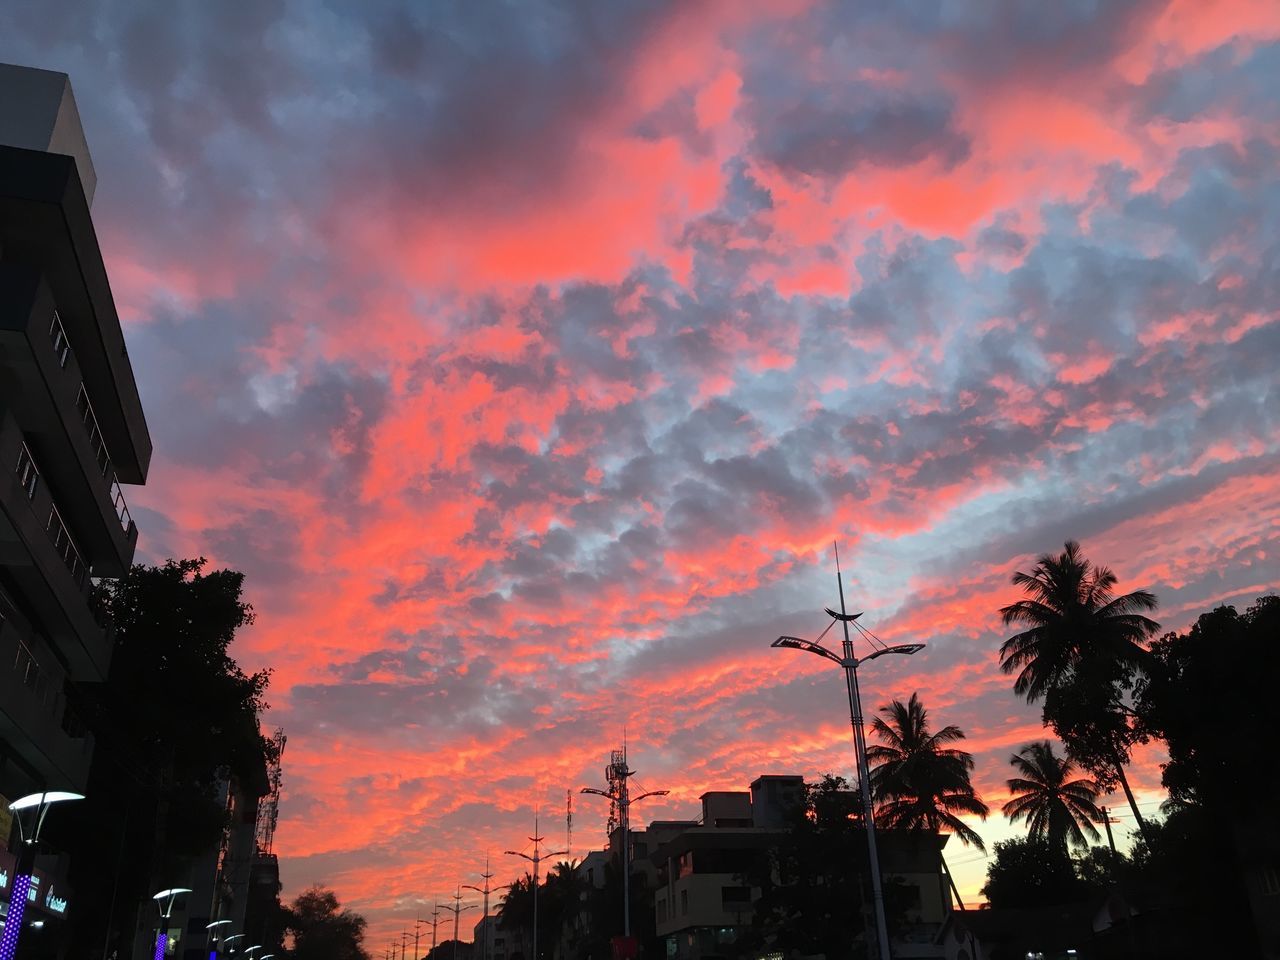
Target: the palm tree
pixel 918 781
pixel 1072 615
pixel 1081 636
pixel 1056 808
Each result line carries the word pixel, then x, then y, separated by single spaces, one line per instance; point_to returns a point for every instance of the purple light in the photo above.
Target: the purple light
pixel 13 923
pixel 162 941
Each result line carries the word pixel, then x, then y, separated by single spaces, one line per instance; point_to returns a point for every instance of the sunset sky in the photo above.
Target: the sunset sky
pixel 528 357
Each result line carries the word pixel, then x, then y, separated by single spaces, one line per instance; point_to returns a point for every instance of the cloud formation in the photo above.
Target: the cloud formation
pixel 528 361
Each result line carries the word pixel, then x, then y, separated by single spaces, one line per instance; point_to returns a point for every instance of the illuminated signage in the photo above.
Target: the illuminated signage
pixel 4 878
pixel 55 904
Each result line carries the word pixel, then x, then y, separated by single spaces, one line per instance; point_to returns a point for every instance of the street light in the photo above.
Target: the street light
pixel 618 774
pixel 487 876
pixel 212 929
pixel 536 859
pixel 165 900
pixel 457 910
pixel 234 936
pixel 850 665
pixel 30 812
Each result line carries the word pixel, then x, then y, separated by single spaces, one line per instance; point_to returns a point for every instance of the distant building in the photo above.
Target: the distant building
pixel 72 432
pixel 702 903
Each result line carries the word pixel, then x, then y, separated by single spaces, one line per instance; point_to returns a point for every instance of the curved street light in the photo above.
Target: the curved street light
pixel 849 663
pixel 165 900
pixel 29 812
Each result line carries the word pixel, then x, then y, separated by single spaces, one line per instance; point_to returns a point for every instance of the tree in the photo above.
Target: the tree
pixel 1057 809
pixel 812 881
pixel 1032 873
pixel 918 781
pixel 322 930
pixel 1212 743
pixel 175 716
pixel 1081 651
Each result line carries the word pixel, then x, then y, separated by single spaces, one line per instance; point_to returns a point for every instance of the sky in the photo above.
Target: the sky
pixel 529 357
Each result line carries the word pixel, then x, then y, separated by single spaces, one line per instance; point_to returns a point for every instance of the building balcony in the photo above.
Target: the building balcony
pixel 50 399
pixel 45 560
pixel 35 718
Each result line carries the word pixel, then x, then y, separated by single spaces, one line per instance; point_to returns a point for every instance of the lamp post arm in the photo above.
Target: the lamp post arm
pixel 651 793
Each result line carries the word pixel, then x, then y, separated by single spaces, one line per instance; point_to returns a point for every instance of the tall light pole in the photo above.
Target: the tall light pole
pixel 30 812
pixel 417 926
pixel 165 900
pixel 487 876
pixel 536 859
pixel 213 930
pixel 617 774
pixel 850 663
pixel 457 910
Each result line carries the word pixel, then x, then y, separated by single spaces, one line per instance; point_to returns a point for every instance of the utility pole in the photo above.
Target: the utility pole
pixel 536 859
pixel 417 926
pixel 617 774
pixel 1106 819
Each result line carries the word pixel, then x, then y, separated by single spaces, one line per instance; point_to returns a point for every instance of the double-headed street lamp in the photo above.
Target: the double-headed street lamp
pixel 618 775
pixel 457 910
pixel 30 812
pixel 536 859
pixel 486 890
pixel 850 664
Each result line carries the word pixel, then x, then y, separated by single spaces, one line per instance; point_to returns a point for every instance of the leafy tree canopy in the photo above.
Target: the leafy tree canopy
pixel 1030 873
pixel 323 930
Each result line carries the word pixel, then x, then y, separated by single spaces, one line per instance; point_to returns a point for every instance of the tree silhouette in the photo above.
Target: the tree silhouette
pixel 1080 653
pixel 918 781
pixel 1057 809
pixel 322 930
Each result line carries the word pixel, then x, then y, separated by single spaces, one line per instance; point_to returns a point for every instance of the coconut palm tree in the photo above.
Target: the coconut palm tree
pixel 918 781
pixel 1072 615
pixel 1080 652
pixel 1056 808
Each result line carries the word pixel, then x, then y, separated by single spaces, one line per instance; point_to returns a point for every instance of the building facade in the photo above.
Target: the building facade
pixel 703 901
pixel 72 435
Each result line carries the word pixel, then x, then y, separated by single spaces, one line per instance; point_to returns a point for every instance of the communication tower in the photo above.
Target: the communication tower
pixel 269 809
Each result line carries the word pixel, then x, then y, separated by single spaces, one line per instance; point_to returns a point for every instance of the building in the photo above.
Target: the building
pixel 72 435
pixel 703 900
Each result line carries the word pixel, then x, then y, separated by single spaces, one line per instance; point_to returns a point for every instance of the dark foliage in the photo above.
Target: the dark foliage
pixel 175 715
pixel 1030 873
pixel 323 930
pixel 1057 807
pixel 814 883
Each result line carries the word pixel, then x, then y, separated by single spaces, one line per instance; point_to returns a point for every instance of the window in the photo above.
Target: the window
pixel 684 903
pixel 662 911
pixel 735 898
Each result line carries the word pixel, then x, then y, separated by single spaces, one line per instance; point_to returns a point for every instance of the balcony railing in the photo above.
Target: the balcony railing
pixel 62 352
pixel 58 336
pixel 66 548
pixel 43 685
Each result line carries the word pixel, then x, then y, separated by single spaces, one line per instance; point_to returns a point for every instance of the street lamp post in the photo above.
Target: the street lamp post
pixel 30 812
pixel 486 890
pixel 213 937
pixel 620 795
pixel 850 664
pixel 536 859
pixel 457 911
pixel 165 900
